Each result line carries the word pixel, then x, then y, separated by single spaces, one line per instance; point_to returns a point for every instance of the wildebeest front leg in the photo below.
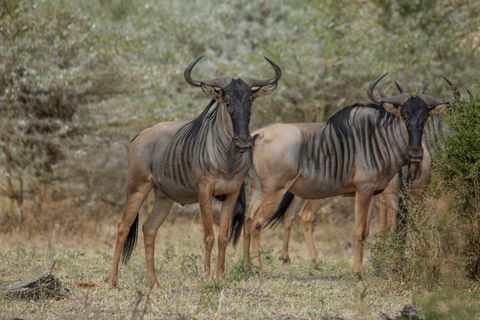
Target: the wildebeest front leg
pixel 362 206
pixel 225 217
pixel 160 211
pixel 205 202
pixel 246 243
pixel 305 216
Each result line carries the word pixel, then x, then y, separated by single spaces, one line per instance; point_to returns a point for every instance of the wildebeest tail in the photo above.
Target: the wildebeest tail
pixel 402 204
pixel 238 216
pixel 130 242
pixel 278 216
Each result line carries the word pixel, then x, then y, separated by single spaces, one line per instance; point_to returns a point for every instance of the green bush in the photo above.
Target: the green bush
pixel 458 170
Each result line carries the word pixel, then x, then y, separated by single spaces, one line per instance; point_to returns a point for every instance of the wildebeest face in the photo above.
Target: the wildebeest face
pixel 238 97
pixel 413 110
pixel 414 113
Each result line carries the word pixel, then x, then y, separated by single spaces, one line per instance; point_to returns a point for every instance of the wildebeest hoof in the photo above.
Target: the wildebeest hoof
pixel 359 275
pixel 285 260
pixel 114 288
pixel 317 264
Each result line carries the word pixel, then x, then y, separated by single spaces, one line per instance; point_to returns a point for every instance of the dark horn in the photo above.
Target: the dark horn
pixel 252 82
pixel 187 74
pixel 456 92
pixel 217 82
pixel 370 88
pixel 422 90
pixel 433 102
pixel 399 87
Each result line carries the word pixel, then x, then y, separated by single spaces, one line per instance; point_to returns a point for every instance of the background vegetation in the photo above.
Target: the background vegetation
pixel 78 80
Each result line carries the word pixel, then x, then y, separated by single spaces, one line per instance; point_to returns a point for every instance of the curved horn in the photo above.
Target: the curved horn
pixel 399 87
pixel 370 88
pixel 252 82
pixel 217 82
pixel 433 102
pixel 380 90
pixel 399 99
pixel 422 90
pixel 188 71
pixel 456 92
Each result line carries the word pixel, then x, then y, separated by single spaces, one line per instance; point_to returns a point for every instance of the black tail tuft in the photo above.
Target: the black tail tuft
pixel 238 217
pixel 401 220
pixel 130 242
pixel 278 216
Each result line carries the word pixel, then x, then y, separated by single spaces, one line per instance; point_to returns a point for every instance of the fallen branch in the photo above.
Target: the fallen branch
pixel 44 285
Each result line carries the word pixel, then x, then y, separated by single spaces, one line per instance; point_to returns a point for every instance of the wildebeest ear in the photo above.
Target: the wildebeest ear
pixel 265 90
pixel 438 109
pixel 210 91
pixel 391 108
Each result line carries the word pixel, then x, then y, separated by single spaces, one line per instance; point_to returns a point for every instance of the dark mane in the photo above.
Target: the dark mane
pixel 190 130
pixel 340 122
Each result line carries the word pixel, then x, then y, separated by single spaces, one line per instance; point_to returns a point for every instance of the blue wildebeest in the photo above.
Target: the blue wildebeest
pixel 192 161
pixel 388 203
pixel 292 206
pixel 355 153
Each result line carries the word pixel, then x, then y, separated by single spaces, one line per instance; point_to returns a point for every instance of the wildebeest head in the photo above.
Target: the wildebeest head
pixel 414 110
pixel 237 95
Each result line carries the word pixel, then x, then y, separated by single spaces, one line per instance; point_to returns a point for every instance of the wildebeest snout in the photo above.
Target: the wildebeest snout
pixel 415 154
pixel 243 143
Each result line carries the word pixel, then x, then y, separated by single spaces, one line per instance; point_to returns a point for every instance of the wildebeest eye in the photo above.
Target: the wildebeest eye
pixel 225 99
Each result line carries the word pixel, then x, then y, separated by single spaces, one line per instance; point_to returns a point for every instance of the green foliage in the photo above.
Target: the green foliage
pixel 458 166
pixel 447 303
pixel 458 170
pixel 79 79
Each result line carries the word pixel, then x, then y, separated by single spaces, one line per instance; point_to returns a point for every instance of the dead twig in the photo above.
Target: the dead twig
pixel 44 285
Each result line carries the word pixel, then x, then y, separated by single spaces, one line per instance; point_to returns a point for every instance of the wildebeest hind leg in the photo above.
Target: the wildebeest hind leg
pixel 136 194
pixel 290 215
pixel 305 216
pixel 159 212
pixel 269 203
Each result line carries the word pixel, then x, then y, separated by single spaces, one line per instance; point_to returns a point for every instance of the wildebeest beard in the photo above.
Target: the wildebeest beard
pixel 230 160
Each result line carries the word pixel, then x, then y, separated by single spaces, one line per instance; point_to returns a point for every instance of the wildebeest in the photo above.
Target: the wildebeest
pixel 191 161
pixel 355 153
pixel 388 203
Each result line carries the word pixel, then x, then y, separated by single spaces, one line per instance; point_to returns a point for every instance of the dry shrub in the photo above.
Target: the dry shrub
pixel 430 251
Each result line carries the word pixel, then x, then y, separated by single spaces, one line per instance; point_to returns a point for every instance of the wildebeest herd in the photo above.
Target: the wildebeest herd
pixel 361 151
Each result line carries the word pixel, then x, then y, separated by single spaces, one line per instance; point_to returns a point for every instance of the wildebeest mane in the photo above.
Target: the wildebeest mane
pixel 191 129
pixel 341 121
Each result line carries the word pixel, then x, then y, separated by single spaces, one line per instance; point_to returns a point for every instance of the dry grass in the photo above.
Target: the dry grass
pixel 294 291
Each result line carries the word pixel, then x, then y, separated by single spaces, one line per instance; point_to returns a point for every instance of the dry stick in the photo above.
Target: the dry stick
pixel 138 299
pixel 43 285
pixel 219 305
